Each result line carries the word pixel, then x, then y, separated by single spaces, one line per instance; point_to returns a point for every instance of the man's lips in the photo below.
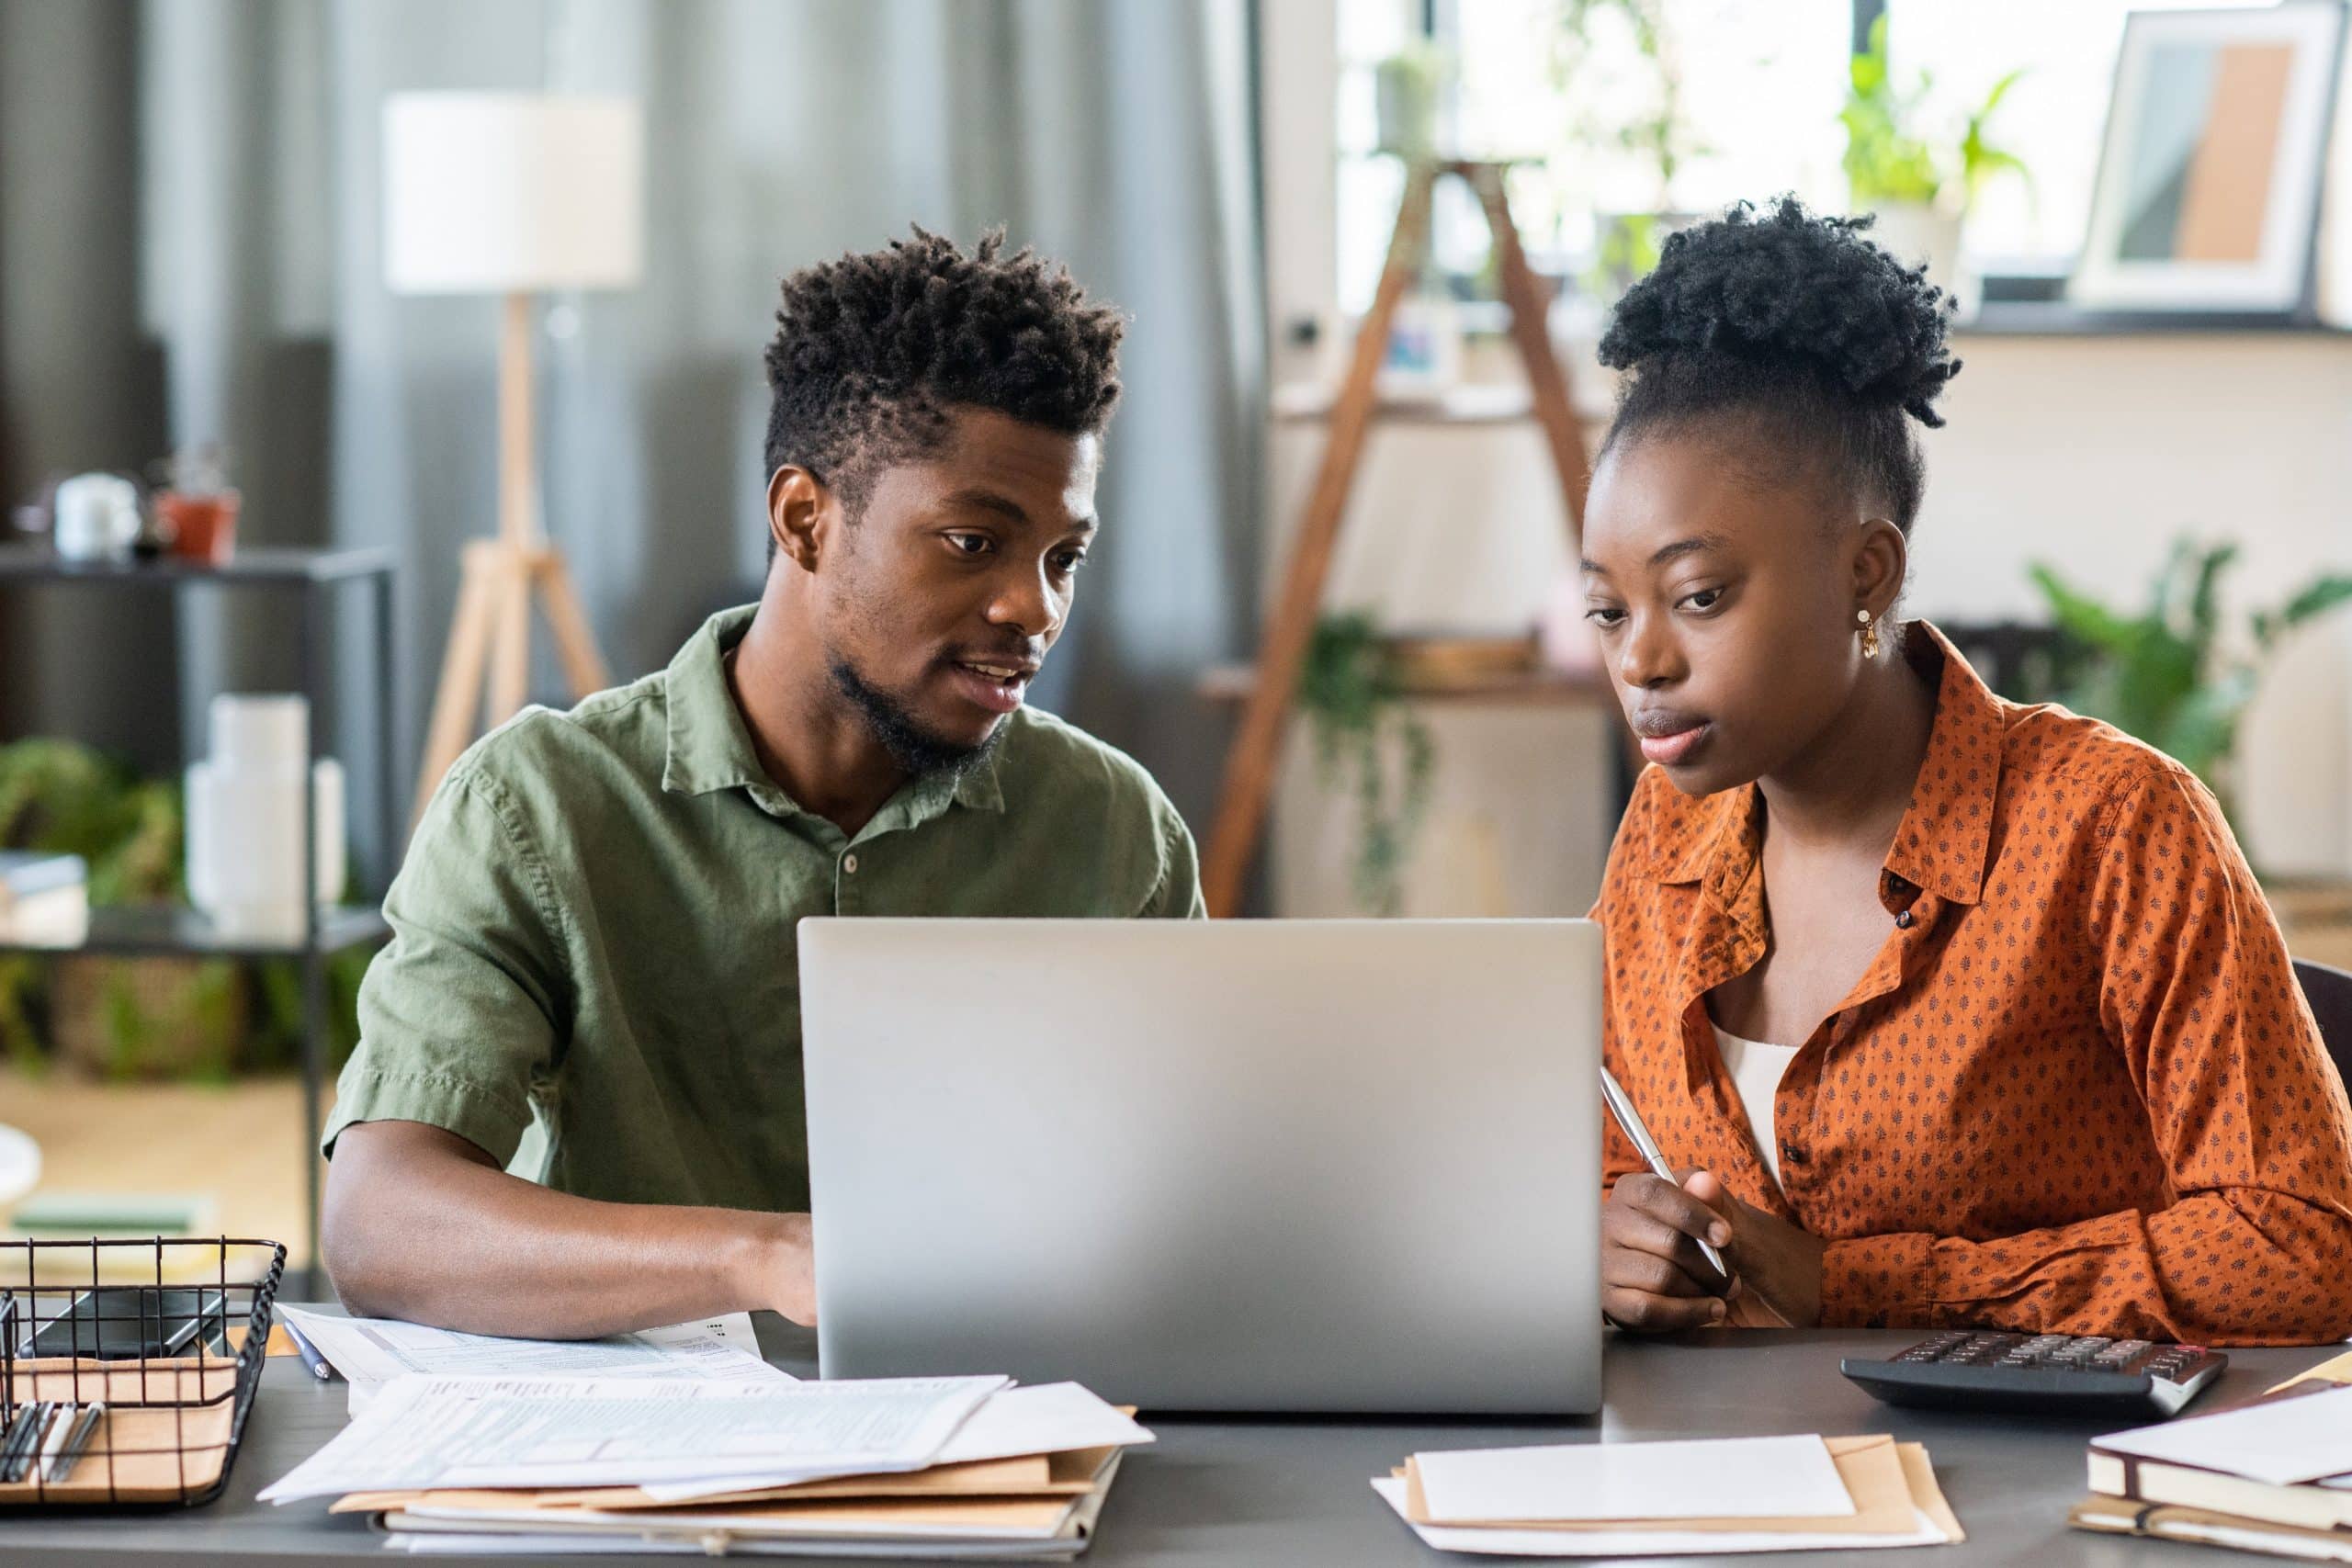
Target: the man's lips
pixel 1669 738
pixel 997 684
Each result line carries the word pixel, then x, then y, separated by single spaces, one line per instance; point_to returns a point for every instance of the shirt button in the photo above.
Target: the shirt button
pixel 1792 1153
pixel 849 864
pixel 1902 921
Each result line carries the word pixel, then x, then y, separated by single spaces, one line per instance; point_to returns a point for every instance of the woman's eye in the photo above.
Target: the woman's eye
pixel 1604 615
pixel 1706 599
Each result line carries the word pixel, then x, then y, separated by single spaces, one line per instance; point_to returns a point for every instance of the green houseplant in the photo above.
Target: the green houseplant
pixel 2167 673
pixel 1919 184
pixel 140 1017
pixel 1355 705
pixel 1407 89
pixel 1655 138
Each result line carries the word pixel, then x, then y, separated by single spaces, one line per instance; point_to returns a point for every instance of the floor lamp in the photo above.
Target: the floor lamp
pixel 512 194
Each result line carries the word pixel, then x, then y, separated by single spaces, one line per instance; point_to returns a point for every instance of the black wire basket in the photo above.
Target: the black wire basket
pixel 128 1368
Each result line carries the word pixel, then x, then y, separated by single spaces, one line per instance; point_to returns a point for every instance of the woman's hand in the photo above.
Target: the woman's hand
pixel 1778 1263
pixel 1654 1278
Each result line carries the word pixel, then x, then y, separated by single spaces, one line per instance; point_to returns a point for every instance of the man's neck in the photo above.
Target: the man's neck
pixel 805 733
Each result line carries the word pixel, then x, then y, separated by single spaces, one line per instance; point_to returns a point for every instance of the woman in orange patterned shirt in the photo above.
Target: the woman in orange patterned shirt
pixel 1952 1011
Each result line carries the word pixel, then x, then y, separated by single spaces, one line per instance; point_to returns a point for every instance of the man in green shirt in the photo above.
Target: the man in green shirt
pixel 595 926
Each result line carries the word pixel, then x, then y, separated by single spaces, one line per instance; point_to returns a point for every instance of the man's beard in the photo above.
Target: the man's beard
pixel 913 748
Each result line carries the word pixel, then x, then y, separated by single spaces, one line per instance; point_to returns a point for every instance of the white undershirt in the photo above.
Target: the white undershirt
pixel 1756 1070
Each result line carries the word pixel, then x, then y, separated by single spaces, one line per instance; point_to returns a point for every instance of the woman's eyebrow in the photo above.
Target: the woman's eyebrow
pixel 1666 553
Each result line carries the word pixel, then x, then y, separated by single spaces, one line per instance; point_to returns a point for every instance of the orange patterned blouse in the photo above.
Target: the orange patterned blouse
pixel 2078 1090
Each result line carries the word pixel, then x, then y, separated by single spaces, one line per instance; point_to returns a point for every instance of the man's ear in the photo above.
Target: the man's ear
pixel 798 508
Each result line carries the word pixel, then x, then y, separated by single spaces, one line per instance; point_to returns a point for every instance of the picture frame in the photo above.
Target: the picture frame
pixel 2210 174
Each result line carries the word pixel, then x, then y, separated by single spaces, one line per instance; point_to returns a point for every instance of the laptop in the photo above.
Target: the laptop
pixel 1319 1166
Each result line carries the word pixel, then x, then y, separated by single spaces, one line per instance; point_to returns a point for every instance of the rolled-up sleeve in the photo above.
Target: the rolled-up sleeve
pixel 461 1013
pixel 2249 1116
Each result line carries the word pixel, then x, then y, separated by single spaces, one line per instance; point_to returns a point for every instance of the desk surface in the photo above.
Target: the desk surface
pixel 1296 1492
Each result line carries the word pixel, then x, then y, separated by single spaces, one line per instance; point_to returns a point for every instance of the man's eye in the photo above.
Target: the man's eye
pixel 1069 561
pixel 1604 615
pixel 969 544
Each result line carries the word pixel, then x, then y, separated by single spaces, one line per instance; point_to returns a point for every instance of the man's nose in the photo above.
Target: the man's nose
pixel 1025 601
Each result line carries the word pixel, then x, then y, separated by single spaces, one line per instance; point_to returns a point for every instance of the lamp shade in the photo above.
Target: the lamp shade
pixel 493 193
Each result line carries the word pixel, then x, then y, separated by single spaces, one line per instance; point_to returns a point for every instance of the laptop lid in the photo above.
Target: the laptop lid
pixel 1234 1165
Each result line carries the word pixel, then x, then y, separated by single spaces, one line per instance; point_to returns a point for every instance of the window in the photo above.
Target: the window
pixel 1759 84
pixel 2053 117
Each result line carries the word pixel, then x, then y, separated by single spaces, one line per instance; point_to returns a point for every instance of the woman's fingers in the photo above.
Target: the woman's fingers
pixel 1654 1278
pixel 1647 1313
pixel 1681 1268
pixel 1675 1206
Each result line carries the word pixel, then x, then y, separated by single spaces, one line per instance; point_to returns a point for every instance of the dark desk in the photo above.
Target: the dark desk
pixel 1290 1494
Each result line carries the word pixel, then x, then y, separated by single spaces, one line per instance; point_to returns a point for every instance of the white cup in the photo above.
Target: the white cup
pixel 96 517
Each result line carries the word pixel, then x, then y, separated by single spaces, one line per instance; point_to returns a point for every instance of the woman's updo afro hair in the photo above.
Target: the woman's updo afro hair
pixel 1793 328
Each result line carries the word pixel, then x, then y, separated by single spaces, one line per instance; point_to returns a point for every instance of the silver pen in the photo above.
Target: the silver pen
pixel 77 1440
pixel 1621 1106
pixel 44 1463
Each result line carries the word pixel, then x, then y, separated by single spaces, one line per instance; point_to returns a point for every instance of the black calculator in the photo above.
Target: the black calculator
pixel 2041 1374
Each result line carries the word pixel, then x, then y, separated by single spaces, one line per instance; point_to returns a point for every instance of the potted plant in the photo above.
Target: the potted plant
pixel 1633 120
pixel 2167 673
pixel 1919 188
pixel 1407 88
pixel 140 1017
pixel 1353 694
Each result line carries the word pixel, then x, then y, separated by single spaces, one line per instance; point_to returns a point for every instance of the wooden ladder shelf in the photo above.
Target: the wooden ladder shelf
pixel 1257 744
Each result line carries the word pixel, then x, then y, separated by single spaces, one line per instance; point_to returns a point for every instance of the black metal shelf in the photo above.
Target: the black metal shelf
pixel 126 931
pixel 316 581
pixel 253 567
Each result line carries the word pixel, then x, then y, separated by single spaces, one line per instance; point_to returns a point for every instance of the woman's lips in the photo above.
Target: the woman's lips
pixel 1666 750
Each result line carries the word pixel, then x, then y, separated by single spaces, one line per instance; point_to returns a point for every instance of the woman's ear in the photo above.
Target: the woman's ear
pixel 1880 560
pixel 797 502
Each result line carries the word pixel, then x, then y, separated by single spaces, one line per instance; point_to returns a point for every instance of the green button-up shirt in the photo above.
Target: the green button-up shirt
pixel 594 925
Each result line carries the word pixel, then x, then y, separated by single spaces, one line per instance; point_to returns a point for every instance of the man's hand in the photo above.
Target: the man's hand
pixel 1653 1276
pixel 1778 1263
pixel 424 1224
pixel 784 1272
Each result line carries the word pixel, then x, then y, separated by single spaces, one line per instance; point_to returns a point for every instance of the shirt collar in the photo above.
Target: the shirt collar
pixel 1941 844
pixel 709 748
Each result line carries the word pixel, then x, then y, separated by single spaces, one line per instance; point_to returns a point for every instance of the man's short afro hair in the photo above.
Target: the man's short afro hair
pixel 1820 343
pixel 871 350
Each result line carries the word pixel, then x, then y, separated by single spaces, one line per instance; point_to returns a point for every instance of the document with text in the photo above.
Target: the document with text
pixel 521 1432
pixel 1049 1418
pixel 372 1351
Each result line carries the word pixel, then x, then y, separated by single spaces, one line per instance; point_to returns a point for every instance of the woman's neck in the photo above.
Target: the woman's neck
pixel 1854 782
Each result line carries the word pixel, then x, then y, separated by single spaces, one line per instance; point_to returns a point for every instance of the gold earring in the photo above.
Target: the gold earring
pixel 1870 634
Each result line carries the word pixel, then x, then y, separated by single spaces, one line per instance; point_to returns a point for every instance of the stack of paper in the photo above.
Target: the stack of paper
pixel 2274 1475
pixel 372 1351
pixel 1665 1499
pixel 950 1467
